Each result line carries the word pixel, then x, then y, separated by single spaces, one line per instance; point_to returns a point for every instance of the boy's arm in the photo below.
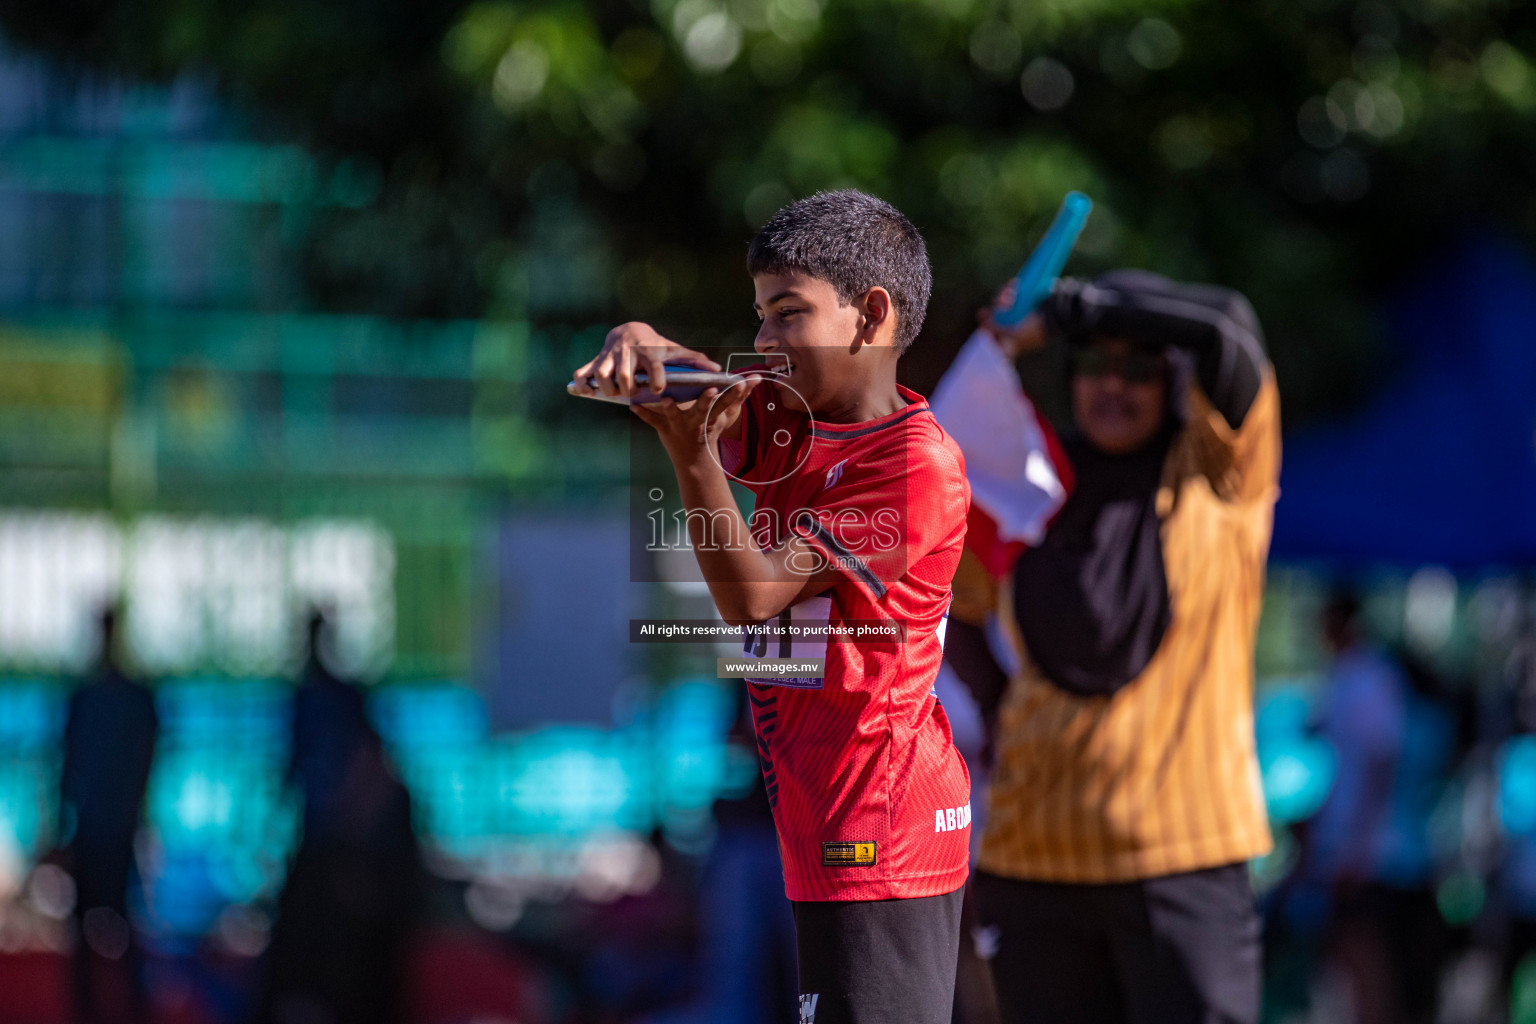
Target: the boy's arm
pixel 633 347
pixel 748 584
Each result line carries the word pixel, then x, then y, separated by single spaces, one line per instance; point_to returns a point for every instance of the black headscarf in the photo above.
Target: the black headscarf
pixel 1092 600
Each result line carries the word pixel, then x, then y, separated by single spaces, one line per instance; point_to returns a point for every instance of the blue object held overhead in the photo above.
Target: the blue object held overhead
pixel 1040 271
pixel 1439 466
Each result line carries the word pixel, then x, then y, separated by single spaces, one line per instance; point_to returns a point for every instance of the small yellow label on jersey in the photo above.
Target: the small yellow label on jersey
pixel 847 855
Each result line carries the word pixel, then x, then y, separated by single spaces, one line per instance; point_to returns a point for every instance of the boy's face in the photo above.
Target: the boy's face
pixel 803 320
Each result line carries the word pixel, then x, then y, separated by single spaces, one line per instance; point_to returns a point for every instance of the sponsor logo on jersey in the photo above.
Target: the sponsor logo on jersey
pixel 808 1007
pixel 951 819
pixel 834 474
pixel 847 855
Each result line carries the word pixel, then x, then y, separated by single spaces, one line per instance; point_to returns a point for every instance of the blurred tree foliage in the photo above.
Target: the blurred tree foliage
pixel 579 162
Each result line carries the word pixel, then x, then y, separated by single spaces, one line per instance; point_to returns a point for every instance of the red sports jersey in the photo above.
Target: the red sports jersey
pixel 870 796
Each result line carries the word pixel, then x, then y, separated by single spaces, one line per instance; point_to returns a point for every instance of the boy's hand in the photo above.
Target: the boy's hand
pixel 631 347
pixel 691 430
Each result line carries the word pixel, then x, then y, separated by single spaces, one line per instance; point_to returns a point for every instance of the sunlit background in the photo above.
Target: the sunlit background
pixel 288 292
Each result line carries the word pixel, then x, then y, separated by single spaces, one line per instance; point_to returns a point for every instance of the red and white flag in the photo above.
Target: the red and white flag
pixel 1018 473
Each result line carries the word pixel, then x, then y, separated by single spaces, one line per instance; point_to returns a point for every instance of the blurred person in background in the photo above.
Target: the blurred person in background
pixel 975 1000
pixel 109 747
pixel 339 945
pixel 1517 877
pixel 330 729
pixel 1125 800
pixel 747 932
pixel 1393 736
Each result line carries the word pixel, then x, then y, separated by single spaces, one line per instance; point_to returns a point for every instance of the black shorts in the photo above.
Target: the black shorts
pixel 1179 949
pixel 878 961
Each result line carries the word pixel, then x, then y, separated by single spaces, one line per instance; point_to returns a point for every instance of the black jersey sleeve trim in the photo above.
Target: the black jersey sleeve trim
pixel 807 526
pixel 842 435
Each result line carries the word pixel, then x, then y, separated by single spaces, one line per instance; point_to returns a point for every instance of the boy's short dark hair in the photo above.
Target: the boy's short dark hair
pixel 853 242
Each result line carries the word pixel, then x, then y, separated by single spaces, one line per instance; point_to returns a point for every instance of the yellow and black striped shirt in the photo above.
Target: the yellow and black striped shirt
pixel 1162 776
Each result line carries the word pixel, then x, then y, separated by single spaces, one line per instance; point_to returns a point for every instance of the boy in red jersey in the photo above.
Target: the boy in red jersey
pixel 857 531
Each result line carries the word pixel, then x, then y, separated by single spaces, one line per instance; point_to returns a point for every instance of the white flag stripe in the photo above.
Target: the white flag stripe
pixel 982 405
